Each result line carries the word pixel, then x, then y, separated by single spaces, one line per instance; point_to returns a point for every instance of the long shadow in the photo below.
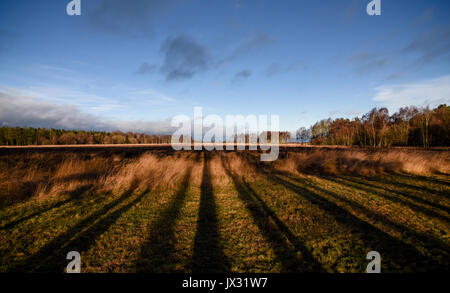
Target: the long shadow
pixel 156 252
pixel 31 187
pixel 208 256
pixel 403 194
pixel 74 195
pixel 35 214
pixel 429 179
pixel 414 187
pixel 396 254
pixel 427 240
pixel 52 257
pixel 274 230
pixel 391 181
pixel 412 206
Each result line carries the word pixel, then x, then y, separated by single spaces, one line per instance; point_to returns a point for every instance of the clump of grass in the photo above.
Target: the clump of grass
pixel 148 170
pixel 42 175
pixel 52 174
pixel 367 161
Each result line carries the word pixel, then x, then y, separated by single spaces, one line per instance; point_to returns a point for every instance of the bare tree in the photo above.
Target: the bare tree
pixel 303 134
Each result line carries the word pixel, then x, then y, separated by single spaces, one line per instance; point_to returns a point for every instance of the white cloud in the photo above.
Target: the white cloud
pixel 431 92
pixel 152 97
pixel 59 95
pixel 18 108
pixel 126 99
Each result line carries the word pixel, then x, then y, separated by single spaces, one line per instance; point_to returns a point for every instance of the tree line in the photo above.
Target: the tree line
pixel 18 136
pixel 410 126
pixel 21 136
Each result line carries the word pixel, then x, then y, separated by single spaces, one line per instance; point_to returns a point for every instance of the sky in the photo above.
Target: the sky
pixel 132 65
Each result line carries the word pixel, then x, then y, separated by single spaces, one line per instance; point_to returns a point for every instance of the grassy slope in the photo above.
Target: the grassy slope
pixel 227 212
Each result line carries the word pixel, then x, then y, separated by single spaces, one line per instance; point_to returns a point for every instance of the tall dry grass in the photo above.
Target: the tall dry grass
pixel 367 162
pixel 239 164
pixel 43 175
pixel 150 171
pixel 46 174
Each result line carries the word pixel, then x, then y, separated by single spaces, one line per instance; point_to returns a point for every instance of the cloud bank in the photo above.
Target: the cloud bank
pixel 21 110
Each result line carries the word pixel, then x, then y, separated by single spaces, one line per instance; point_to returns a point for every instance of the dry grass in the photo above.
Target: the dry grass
pixel 149 170
pixel 313 210
pixel 367 161
pixel 47 174
pixel 44 175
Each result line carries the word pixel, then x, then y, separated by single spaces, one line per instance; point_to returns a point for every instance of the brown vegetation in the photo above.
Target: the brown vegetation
pixel 38 174
pixel 410 126
pixel 316 209
pixel 366 161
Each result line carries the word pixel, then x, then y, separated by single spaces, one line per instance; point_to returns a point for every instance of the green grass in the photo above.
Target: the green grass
pixel 219 217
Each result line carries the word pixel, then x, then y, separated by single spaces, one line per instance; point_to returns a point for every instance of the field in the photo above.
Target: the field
pixel 137 209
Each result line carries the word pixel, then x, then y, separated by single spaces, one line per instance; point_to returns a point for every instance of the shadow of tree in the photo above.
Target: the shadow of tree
pixel 75 195
pixel 52 257
pixel 429 179
pixel 208 255
pixel 374 190
pixel 35 214
pixel 413 197
pixel 404 199
pixel 426 240
pixel 396 255
pixel 157 252
pixel 413 178
pixel 283 241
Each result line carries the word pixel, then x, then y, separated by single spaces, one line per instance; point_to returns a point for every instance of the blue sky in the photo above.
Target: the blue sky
pixel 141 62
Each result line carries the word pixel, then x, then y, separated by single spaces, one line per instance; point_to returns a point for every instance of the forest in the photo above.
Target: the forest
pixel 20 136
pixel 23 136
pixel 409 126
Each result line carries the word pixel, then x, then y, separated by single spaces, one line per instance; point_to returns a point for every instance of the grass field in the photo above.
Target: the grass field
pixel 138 210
